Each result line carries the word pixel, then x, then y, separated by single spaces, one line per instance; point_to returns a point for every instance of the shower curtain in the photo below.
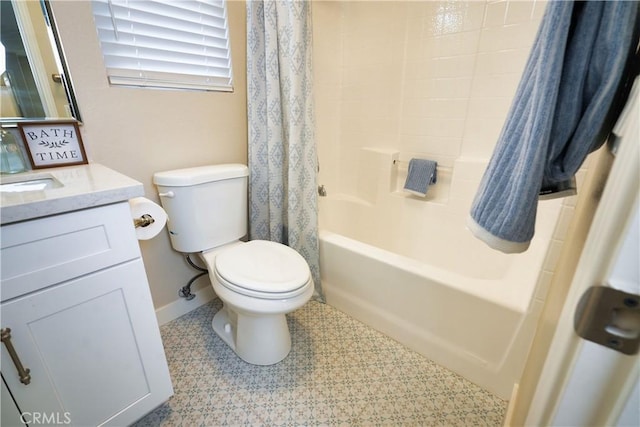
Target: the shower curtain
pixel 283 205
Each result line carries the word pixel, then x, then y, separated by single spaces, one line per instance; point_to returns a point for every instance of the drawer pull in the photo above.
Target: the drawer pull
pixel 25 377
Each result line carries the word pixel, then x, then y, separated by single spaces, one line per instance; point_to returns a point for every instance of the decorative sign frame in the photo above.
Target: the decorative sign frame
pixel 52 144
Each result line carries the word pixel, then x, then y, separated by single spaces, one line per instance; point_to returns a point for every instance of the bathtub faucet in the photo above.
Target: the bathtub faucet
pixel 322 192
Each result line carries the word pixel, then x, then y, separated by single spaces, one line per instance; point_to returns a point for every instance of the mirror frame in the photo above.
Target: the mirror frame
pixel 66 75
pixel 49 18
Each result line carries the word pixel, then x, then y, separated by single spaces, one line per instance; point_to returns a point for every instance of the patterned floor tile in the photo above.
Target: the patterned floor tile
pixel 339 373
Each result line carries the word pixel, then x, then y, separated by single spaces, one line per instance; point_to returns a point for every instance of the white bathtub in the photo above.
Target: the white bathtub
pixel 410 269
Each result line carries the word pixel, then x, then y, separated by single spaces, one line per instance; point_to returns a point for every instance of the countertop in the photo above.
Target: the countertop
pixel 82 187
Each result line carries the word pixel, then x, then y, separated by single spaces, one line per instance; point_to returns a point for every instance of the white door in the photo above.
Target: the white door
pixel 584 383
pixel 602 380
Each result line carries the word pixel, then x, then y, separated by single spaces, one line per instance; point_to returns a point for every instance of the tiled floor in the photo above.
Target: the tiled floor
pixel 339 372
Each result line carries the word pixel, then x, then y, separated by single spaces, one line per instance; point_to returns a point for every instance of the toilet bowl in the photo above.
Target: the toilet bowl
pixel 258 282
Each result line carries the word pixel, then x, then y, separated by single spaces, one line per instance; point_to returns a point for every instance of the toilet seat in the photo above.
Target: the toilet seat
pixel 263 269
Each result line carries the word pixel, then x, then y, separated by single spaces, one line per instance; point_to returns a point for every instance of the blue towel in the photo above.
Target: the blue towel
pixel 562 110
pixel 422 173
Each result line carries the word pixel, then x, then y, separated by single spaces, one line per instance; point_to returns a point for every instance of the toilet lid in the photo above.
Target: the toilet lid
pixel 263 266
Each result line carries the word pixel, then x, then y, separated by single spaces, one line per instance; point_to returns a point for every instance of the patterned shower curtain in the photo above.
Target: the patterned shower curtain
pixel 283 204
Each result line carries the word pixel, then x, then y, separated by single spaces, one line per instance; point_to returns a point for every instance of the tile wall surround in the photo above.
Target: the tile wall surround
pixel 431 78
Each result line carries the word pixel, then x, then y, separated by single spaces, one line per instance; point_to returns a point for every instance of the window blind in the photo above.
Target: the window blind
pixel 168 44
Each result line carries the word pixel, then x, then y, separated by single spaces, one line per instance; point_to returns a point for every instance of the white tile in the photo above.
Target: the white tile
pixel 438 107
pixel 544 284
pixel 495 14
pixel 509 61
pixel 433 127
pixel 455 44
pixel 538 10
pixel 480 137
pixel 519 11
pixel 514 36
pixel 440 145
pixel 495 85
pixel 438 88
pixel 447 17
pixel 553 255
pixel 474 15
pixel 454 66
pixel 373 75
pixel 494 109
pixel 420 70
pixel 564 221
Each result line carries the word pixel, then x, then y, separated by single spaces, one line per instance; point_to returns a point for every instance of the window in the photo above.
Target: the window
pixel 165 44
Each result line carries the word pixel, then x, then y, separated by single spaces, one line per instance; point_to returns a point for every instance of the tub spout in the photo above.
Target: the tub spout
pixel 322 192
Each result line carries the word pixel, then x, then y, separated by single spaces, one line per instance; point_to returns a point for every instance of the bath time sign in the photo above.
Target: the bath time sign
pixel 51 144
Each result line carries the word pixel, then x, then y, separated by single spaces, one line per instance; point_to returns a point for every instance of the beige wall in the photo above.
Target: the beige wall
pixel 141 131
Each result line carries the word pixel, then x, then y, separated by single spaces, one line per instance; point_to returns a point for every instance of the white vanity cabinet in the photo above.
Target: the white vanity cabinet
pixel 76 300
pixel 9 413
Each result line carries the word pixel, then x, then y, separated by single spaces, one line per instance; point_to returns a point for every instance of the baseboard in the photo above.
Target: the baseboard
pixel 177 308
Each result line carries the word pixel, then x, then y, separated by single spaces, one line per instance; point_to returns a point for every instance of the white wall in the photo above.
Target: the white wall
pixel 141 131
pixel 425 78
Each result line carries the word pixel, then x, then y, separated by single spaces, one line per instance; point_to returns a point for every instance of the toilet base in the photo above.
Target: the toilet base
pixel 259 340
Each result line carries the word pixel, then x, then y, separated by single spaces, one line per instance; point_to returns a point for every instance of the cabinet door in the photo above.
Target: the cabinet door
pixel 92 346
pixel 9 413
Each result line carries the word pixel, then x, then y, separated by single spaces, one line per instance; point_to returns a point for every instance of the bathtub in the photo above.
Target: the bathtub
pixel 409 268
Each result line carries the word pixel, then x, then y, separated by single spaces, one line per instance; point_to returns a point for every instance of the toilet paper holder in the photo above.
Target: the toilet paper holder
pixel 144 221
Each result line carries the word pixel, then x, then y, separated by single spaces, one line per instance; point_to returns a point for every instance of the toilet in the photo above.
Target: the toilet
pixel 258 281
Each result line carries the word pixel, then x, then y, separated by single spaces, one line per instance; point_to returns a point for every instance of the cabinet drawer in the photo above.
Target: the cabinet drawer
pixel 46 251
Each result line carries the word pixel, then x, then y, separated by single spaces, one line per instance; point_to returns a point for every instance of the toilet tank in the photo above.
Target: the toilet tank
pixel 206 205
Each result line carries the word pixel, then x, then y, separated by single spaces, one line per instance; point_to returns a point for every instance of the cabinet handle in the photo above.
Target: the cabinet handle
pixel 23 373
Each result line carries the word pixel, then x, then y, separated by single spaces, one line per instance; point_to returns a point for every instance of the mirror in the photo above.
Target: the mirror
pixel 34 83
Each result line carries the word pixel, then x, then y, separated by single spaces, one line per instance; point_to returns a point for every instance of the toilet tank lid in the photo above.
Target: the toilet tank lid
pixel 200 175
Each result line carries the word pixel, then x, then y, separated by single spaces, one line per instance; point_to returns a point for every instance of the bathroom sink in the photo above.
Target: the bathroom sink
pixel 31 183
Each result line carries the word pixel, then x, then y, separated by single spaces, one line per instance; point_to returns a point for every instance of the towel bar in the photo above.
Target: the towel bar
pixel 440 168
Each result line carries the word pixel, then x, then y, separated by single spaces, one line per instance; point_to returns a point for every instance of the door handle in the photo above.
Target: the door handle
pixel 609 317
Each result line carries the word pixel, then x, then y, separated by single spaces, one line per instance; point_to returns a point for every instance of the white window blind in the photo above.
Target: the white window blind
pixel 169 44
